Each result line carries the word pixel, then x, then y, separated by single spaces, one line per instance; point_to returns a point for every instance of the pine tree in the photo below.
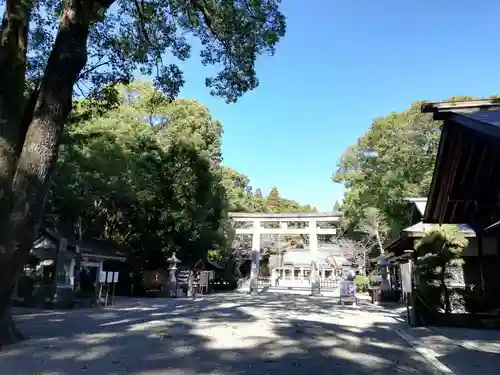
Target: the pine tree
pixel 273 201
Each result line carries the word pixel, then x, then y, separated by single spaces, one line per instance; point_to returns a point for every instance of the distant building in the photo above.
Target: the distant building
pixel 295 264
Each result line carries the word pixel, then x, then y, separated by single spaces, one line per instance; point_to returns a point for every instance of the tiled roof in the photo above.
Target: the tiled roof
pixel 422 227
pixel 304 257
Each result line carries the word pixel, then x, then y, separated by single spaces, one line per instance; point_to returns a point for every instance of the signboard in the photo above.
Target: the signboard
pixel 108 277
pixel 204 276
pixel 102 277
pixel 347 290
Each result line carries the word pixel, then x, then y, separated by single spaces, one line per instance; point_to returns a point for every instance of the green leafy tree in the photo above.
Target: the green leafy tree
pixel 273 200
pixel 157 189
pixel 393 160
pixel 152 180
pixel 52 48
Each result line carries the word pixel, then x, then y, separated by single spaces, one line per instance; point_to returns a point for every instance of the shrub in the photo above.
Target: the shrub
pixel 362 283
pixel 374 279
pixel 439 257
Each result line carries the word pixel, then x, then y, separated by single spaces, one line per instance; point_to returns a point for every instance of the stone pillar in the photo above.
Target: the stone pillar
pixel 383 264
pixel 72 272
pixel 283 227
pixel 172 277
pixel 77 271
pixel 254 272
pixel 313 248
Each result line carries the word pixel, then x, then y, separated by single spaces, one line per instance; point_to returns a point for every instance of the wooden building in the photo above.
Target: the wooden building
pixel 50 274
pixel 465 188
pixel 294 265
pixel 400 252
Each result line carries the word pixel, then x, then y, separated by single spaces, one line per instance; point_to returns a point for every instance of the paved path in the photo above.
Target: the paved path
pixel 465 351
pixel 222 334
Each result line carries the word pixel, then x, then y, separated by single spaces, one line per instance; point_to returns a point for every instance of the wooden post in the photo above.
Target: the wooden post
pixel 78 259
pixel 478 227
pixel 100 292
pixel 313 249
pixel 255 265
pixel 479 236
pixel 113 292
pixel 413 296
pixel 107 291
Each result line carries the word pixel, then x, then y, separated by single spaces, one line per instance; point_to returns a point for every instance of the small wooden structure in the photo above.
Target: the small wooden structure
pixel 52 271
pixel 208 265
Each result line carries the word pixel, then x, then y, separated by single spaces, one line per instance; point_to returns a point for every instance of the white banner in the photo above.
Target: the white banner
pixel 203 278
pixel 102 276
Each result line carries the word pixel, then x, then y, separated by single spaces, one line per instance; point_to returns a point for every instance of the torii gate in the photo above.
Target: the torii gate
pixel 283 219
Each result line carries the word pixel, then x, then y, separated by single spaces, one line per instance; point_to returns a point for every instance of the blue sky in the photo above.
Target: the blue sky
pixel 341 65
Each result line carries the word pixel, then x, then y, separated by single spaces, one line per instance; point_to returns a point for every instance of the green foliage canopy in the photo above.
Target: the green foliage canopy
pixel 392 161
pixel 148 174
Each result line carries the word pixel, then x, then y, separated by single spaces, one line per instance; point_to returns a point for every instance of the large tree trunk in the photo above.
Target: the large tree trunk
pixel 13 50
pixel 39 153
pixel 9 329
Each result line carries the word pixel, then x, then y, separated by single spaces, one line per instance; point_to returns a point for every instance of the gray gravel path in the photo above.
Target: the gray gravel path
pixel 220 334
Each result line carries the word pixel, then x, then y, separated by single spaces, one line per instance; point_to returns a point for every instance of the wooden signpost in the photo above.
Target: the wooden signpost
pixel 108 278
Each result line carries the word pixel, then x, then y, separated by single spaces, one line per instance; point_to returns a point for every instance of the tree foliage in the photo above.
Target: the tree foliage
pixel 50 48
pixel 156 188
pixel 242 199
pixel 148 174
pixel 392 161
pixel 124 37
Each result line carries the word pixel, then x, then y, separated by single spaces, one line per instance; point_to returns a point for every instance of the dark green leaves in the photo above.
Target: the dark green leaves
pixel 154 188
pixel 151 36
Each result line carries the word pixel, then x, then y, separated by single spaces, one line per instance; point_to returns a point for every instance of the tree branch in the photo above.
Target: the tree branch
pixel 142 25
pixel 92 69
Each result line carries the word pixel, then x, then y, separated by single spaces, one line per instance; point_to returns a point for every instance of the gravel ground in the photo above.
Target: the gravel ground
pixel 219 334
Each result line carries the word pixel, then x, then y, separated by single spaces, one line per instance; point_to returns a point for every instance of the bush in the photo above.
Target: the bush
pixel 362 283
pixel 374 279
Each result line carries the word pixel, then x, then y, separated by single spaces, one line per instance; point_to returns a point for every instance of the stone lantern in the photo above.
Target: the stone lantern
pixel 350 275
pixel 172 278
pixel 383 265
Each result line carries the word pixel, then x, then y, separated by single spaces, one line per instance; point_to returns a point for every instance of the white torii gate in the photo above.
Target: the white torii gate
pixel 283 219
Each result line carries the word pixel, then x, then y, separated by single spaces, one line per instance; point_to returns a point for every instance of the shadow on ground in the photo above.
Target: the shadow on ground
pixel 221 334
pixel 466 351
